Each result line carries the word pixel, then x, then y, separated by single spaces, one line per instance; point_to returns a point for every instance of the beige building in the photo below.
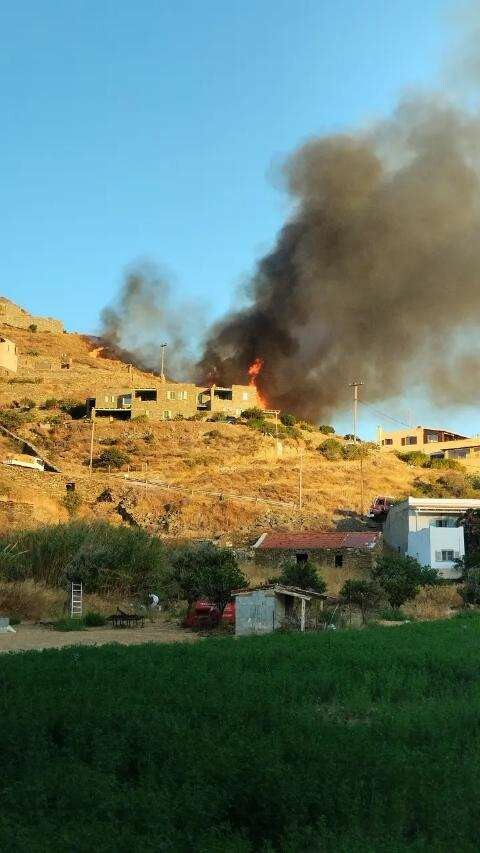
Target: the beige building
pixel 14 315
pixel 8 355
pixel 166 400
pixel 438 443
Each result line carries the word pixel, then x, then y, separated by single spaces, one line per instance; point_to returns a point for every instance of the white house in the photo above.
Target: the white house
pixel 426 528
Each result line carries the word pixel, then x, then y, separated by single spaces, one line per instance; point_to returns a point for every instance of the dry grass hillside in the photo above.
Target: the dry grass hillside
pixel 203 479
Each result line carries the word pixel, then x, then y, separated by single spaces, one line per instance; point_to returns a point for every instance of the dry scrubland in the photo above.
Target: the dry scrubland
pixel 194 457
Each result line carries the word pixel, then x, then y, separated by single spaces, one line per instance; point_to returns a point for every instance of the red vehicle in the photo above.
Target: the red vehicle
pixel 380 507
pixel 205 614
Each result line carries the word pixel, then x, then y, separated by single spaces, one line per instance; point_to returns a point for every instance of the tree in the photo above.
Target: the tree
pixel 11 419
pixel 304 575
pixel 365 594
pixel 204 570
pixel 326 429
pixel 470 521
pixel 401 577
pixel 253 414
pixel 112 457
pixel 332 449
pixel 287 419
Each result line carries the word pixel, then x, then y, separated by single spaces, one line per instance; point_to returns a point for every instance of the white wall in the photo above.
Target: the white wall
pixel 424 543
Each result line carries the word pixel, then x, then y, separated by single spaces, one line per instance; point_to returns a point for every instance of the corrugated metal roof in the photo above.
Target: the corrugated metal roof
pixel 309 541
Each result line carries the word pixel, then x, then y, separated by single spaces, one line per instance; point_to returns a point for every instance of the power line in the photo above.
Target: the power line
pixel 383 414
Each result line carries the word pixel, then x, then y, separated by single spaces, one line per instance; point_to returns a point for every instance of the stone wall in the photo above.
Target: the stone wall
pixel 356 560
pixel 13 315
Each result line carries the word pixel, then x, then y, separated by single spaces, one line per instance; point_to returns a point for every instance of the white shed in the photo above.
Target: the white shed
pixel 267 608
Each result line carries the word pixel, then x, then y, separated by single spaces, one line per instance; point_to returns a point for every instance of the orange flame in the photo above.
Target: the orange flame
pixel 254 370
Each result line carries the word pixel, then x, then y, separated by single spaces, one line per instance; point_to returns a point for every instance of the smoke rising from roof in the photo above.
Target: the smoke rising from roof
pixel 375 276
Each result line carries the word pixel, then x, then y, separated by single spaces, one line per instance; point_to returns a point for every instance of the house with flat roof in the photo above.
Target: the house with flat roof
pixel 262 610
pixel 163 400
pixel 437 443
pixel 427 529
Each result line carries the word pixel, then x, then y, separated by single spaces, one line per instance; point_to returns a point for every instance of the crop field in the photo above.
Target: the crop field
pixel 363 740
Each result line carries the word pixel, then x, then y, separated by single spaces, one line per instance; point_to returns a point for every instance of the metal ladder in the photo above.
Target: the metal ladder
pixel 76 599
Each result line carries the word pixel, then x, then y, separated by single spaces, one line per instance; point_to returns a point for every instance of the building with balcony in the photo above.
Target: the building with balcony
pixel 427 529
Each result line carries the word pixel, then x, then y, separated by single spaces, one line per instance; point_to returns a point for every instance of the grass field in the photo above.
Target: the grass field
pixel 365 741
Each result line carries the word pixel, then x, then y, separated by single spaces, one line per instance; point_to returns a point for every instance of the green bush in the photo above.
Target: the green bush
pixel 11 419
pixel 72 502
pixel 365 594
pixel 449 464
pixel 331 449
pixel 203 570
pixel 287 419
pixel 105 557
pixel 112 457
pixel 50 403
pixel 254 413
pixel 393 614
pixel 33 327
pixel 401 577
pixel 326 429
pixel 416 458
pixel 75 408
pixel 94 620
pixel 27 404
pixel 218 417
pixel 69 623
pixel 304 575
pixel 356 451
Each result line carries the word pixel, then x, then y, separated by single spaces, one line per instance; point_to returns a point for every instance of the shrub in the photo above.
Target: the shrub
pixel 27 404
pixel 416 458
pixel 94 620
pixel 365 594
pixel 112 457
pixel 72 503
pixel 304 575
pixel 69 624
pixel 253 414
pixel 331 449
pixel 32 327
pixel 401 577
pixel 449 464
pixel 149 438
pixel 105 557
pixel 11 419
pixel 218 417
pixel 32 352
pixel 204 570
pixel 75 408
pixel 356 451
pixel 108 442
pixel 287 419
pixel 393 614
pixel 326 429
pixel 50 403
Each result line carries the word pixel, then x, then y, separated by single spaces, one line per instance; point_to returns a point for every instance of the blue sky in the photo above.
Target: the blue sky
pixel 153 130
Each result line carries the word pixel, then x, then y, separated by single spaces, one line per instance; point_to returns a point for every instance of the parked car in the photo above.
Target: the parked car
pixel 380 507
pixel 205 614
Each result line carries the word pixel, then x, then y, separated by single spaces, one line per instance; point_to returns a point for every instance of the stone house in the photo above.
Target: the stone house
pixel 8 356
pixel 352 551
pixel 163 400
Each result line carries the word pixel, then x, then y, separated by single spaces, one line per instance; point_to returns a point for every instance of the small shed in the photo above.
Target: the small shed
pixel 267 608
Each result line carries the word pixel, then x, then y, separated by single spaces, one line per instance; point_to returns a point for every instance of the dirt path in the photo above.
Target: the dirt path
pixel 30 636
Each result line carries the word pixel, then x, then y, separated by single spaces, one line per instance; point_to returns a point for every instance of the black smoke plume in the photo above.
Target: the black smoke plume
pixel 376 275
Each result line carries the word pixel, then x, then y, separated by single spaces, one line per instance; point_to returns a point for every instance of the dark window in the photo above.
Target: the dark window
pixel 146 394
pixel 302 558
pixel 411 439
pixel 338 561
pixel 389 441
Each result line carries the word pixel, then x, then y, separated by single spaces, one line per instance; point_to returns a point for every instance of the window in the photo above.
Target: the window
pixel 446 556
pixel 302 558
pixel 388 441
pixel 167 415
pixel 170 395
pixel 338 561
pixel 245 395
pixel 182 395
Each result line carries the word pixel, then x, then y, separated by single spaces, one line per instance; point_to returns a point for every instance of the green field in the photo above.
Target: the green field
pixel 353 741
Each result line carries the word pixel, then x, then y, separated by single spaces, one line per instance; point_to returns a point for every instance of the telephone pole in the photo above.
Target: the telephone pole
pixel 162 351
pixel 355 386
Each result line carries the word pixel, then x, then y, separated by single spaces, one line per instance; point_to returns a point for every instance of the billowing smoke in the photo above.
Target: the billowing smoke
pixel 376 275
pixel 146 314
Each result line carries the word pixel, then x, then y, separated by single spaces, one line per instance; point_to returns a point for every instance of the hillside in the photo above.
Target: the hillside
pixel 213 479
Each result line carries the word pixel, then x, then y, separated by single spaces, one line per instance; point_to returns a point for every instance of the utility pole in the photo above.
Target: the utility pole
pixel 92 415
pixel 361 486
pixel 162 352
pixel 300 482
pixel 355 386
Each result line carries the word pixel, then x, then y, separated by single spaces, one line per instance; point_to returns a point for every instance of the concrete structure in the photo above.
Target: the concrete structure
pixel 13 315
pixel 265 609
pixel 426 528
pixel 8 356
pixel 164 400
pixel 231 401
pixel 438 443
pixel 349 551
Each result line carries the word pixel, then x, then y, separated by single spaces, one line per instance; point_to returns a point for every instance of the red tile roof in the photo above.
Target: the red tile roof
pixel 309 541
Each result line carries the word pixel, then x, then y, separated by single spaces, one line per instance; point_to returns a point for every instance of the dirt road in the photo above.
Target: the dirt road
pixel 33 637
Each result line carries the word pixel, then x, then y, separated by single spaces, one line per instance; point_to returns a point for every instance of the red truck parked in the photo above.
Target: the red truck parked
pixel 205 614
pixel 380 507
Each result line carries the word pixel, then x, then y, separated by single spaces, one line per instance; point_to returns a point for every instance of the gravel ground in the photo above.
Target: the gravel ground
pixel 31 636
